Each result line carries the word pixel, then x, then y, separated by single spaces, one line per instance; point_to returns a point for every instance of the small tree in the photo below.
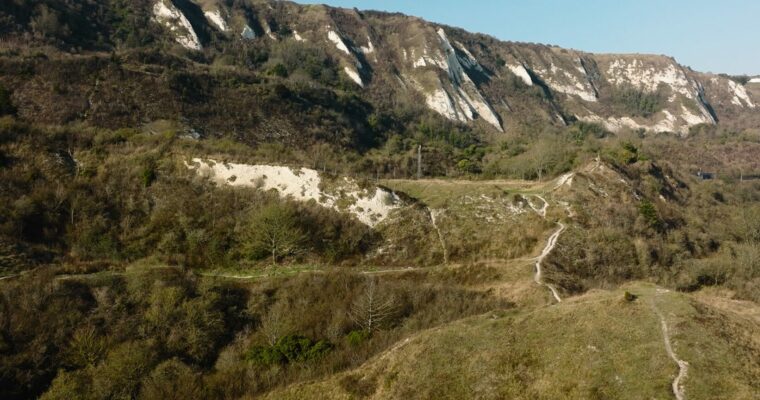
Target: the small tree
pixel 47 22
pixel 273 230
pixel 372 309
pixel 274 324
pixel 171 380
pixel 86 347
pixel 649 212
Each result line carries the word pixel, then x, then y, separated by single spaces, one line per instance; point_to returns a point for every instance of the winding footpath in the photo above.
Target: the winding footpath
pixel 433 215
pixel 550 244
pixel 683 366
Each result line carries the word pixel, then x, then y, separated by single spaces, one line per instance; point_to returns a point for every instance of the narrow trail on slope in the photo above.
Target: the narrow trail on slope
pixel 683 366
pixel 433 215
pixel 18 274
pixel 541 211
pixel 550 244
pixel 566 179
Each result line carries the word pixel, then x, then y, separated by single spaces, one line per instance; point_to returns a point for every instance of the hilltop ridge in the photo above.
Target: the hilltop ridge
pixel 466 78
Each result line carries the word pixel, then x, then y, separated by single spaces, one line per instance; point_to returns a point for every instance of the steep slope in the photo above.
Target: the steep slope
pixel 463 77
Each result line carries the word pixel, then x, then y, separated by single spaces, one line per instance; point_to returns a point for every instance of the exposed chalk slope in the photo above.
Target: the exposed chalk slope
pixel 370 206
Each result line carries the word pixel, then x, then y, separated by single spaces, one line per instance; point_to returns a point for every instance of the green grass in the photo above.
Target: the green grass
pixel 269 271
pixel 592 347
pixel 482 220
pixel 437 193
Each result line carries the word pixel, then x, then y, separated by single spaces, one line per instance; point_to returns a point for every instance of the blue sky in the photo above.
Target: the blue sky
pixel 710 36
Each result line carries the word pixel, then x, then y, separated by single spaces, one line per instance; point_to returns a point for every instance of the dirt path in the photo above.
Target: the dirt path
pixel 18 274
pixel 433 214
pixel 683 366
pixel 541 211
pixel 566 179
pixel 550 244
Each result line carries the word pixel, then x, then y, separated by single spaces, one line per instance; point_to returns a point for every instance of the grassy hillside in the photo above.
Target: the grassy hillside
pixel 595 346
pixel 129 249
pixel 431 173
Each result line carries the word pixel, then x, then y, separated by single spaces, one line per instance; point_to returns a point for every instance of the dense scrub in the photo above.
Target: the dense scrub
pixel 85 195
pixel 631 101
pixel 152 331
pixel 665 225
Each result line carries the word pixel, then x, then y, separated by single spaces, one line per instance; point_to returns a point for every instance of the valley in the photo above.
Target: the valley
pixel 239 199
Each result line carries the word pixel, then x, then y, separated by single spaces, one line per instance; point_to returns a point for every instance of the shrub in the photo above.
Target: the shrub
pixel 649 212
pixel 626 153
pixel 68 385
pixel 148 175
pixel 47 22
pixel 580 130
pixel 86 347
pixel 289 349
pixel 172 379
pixel 278 70
pixel 120 374
pixel 357 337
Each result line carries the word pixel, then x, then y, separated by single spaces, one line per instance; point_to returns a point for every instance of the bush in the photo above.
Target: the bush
pixel 289 349
pixel 120 374
pixel 47 22
pixel 148 174
pixel 278 70
pixel 357 337
pixel 649 212
pixel 580 131
pixel 68 386
pixel 626 153
pixel 172 379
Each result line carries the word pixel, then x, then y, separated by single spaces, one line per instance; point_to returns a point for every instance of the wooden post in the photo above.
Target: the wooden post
pixel 419 162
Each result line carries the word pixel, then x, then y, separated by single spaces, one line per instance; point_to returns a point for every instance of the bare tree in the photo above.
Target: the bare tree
pixel 274 324
pixel 372 310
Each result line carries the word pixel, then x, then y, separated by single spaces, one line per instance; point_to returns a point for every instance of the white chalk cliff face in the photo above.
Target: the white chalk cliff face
pixel 353 65
pixel 648 77
pixel 461 76
pixel 457 98
pixel 732 92
pixel 168 15
pixel 570 81
pixel 522 73
pixel 216 18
